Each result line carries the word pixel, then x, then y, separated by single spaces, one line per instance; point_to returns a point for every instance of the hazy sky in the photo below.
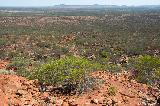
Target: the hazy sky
pixel 80 2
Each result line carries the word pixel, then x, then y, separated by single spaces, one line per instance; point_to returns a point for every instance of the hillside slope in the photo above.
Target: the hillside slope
pixel 116 90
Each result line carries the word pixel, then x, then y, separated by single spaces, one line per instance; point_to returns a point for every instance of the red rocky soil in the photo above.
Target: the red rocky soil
pixel 3 64
pixel 18 91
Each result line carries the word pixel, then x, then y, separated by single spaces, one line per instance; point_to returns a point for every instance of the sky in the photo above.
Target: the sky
pixel 76 2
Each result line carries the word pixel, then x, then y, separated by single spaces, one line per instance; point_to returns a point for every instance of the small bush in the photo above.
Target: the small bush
pixel 2 42
pixel 109 66
pixel 89 84
pixel 157 73
pixel 112 91
pixel 106 53
pixel 147 68
pixel 19 64
pixel 65 71
pixel 114 68
pixel 3 71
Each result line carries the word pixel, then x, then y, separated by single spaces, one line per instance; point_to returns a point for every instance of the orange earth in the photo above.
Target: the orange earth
pixel 18 91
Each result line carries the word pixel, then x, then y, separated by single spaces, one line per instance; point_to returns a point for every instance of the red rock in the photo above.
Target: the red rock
pixel 22 92
pixel 65 104
pixel 10 84
pixel 59 102
pixel 3 99
pixel 94 101
pixel 45 94
pixel 72 102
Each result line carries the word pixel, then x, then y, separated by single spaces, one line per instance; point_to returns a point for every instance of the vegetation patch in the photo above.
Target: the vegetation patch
pixel 146 68
pixel 112 90
pixel 69 72
pixel 20 66
pixel 3 71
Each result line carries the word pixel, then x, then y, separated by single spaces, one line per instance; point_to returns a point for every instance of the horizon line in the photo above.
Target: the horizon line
pixel 83 5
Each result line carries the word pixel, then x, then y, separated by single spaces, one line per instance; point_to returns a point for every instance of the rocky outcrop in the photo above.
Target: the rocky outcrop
pixel 18 91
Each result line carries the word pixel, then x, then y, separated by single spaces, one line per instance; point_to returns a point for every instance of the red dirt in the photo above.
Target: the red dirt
pixel 18 91
pixel 3 64
pixel 127 93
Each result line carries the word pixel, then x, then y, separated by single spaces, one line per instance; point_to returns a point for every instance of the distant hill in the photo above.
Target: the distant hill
pixel 71 8
pixel 103 6
pixel 80 6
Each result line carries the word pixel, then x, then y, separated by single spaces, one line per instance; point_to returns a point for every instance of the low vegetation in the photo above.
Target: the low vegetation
pixel 112 90
pixel 146 69
pixel 62 50
pixel 3 71
pixel 67 72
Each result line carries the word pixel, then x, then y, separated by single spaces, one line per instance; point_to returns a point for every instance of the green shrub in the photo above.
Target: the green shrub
pixel 105 53
pixel 65 71
pixel 109 66
pixel 3 71
pixel 19 64
pixel 112 90
pixel 147 68
pixel 158 73
pixel 114 68
pixel 89 84
pixel 2 41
